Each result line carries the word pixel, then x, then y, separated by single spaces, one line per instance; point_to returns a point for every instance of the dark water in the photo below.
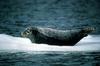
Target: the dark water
pixel 50 59
pixel 16 15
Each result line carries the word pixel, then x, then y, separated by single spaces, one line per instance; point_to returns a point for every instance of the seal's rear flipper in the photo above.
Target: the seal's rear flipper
pixel 87 30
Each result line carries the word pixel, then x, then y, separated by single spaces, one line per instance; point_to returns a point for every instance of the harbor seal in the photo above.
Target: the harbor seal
pixel 56 37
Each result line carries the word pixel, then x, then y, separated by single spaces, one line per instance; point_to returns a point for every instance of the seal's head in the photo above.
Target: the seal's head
pixel 29 32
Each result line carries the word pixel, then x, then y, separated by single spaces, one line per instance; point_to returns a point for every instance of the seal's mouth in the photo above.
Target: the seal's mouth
pixel 23 35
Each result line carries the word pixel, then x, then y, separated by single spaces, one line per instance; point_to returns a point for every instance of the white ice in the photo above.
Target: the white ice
pixel 7 42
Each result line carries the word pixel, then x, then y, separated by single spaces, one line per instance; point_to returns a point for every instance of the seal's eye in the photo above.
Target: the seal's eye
pixel 28 32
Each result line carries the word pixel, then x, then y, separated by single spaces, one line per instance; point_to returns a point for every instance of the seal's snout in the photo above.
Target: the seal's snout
pixel 26 32
pixel 22 34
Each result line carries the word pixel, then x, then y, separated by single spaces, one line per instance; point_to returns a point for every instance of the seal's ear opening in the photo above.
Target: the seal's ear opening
pixel 34 31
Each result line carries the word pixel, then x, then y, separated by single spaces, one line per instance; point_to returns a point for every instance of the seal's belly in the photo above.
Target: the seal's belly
pixel 40 38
